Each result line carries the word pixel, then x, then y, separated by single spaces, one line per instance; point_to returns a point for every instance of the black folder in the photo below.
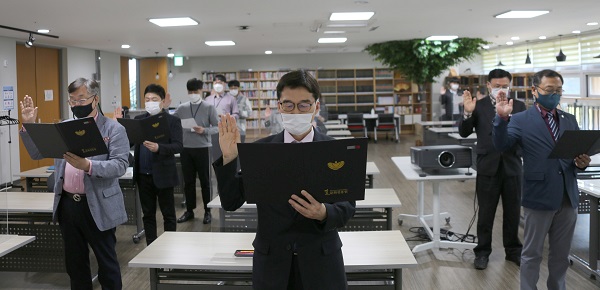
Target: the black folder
pixel 80 137
pixel 330 171
pixel 573 143
pixel 154 128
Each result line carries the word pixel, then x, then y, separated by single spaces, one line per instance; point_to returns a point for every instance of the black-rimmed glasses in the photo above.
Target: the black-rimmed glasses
pixel 288 106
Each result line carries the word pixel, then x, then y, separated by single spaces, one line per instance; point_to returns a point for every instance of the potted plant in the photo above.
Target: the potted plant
pixel 420 60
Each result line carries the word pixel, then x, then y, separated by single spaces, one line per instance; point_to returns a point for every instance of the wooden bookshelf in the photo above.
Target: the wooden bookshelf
pixel 520 86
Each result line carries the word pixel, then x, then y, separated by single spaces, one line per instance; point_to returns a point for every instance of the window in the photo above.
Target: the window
pixel 133 83
pixel 593 86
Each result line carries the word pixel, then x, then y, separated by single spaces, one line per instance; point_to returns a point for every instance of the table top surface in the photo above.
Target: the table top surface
pixel 9 243
pixel 590 186
pixel 443 129
pixel 336 126
pixel 339 133
pixel 436 123
pixel 372 168
pixel 366 116
pixel 214 251
pixel 43 172
pixel 595 160
pixel 38 202
pixel 374 198
pixel 411 171
pixel 457 136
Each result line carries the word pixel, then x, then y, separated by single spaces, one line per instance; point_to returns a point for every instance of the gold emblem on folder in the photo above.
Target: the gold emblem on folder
pixel 80 132
pixel 155 125
pixel 335 165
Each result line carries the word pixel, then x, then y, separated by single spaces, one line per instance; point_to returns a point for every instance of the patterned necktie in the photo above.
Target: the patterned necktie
pixel 553 126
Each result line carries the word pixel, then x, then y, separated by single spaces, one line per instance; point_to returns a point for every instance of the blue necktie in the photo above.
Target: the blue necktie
pixel 553 126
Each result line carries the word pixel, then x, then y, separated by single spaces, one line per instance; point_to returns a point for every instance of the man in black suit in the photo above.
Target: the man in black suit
pixel 451 101
pixel 498 173
pixel 154 167
pixel 297 245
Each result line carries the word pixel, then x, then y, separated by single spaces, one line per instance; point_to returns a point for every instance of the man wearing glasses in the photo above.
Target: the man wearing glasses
pixel 88 202
pixel 297 245
pixel 498 173
pixel 550 193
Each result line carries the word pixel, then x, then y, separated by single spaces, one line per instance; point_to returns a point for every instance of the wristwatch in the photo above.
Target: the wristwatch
pixel 467 115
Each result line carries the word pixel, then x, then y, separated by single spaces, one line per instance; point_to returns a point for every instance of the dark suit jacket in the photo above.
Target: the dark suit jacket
pixel 545 179
pixel 488 158
pixel 281 228
pixel 448 103
pixel 164 171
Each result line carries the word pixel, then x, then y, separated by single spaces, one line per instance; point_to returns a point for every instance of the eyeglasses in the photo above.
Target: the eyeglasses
pixel 288 106
pixel 558 91
pixel 79 102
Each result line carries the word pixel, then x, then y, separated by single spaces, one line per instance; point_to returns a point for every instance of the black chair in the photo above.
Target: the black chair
pixel 356 123
pixel 386 122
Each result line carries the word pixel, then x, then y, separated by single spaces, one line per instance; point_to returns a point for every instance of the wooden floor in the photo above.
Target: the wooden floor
pixel 443 269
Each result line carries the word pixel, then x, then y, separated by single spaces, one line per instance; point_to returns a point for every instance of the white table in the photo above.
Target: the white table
pixel 385 198
pixel 592 189
pixel 469 140
pixel 334 127
pixel 9 243
pixel 436 123
pixel 339 133
pixel 413 172
pixel 366 254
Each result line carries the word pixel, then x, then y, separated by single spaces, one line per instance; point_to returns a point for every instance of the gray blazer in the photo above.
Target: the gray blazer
pixel 104 195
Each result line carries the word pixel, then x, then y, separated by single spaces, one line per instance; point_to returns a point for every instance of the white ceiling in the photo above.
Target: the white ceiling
pixel 282 26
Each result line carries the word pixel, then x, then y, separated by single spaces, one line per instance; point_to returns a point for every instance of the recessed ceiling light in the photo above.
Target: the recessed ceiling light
pixel 268 52
pixel 347 25
pixel 441 37
pixel 170 55
pixel 515 38
pixel 333 40
pixel 486 47
pixel 576 31
pixel 220 43
pixel 351 16
pixel 509 43
pixel 542 37
pixel 592 23
pixel 170 22
pixel 125 46
pixel 334 31
pixel 522 14
pixel 43 30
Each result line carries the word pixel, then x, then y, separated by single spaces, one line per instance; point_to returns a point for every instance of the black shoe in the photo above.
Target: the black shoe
pixel 188 215
pixel 207 218
pixel 515 259
pixel 481 262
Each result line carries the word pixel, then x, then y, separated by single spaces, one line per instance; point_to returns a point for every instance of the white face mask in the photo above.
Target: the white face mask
pixel 152 108
pixel 297 124
pixel 234 92
pixel 195 98
pixel 218 88
pixel 454 87
pixel 496 91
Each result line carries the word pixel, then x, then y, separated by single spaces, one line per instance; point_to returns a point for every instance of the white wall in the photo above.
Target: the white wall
pixel 194 66
pixel 76 63
pixel 110 85
pixel 9 153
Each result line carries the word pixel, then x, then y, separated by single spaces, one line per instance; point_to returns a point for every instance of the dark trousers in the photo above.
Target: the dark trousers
pixel 295 280
pixel 149 194
pixel 79 230
pixel 489 191
pixel 195 161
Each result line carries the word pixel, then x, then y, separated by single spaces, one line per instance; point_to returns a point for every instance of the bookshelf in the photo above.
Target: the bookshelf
pixel 520 86
pixel 343 90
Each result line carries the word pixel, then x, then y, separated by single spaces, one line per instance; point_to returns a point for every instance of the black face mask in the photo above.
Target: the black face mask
pixel 82 111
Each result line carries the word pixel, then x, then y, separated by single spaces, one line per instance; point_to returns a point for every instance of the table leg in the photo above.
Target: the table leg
pixel 29 183
pixel 398 279
pixel 388 211
pixel 594 235
pixel 139 223
pixel 221 219
pixel 370 178
pixel 153 279
pixel 436 213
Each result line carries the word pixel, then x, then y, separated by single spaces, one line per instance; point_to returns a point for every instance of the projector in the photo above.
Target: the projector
pixel 441 157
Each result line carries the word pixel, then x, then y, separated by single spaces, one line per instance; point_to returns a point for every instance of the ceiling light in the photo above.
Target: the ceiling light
pixel 347 25
pixel 268 52
pixel 220 43
pixel 170 22
pixel 522 14
pixel 333 40
pixel 156 60
pixel 125 46
pixel 29 42
pixel 500 63
pixel 486 47
pixel 592 23
pixel 441 37
pixel 528 59
pixel 170 54
pixel 576 31
pixel 560 56
pixel 515 38
pixel 542 37
pixel 43 31
pixel 509 43
pixel 351 16
pixel 334 31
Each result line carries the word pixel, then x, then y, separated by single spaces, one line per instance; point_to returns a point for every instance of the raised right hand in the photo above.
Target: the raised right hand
pixel 503 106
pixel 468 102
pixel 28 111
pixel 267 112
pixel 229 136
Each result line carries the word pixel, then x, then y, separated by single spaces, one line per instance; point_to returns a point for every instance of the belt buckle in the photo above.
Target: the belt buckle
pixel 76 197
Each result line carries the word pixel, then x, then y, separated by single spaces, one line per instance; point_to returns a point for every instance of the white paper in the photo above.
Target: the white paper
pixel 48 95
pixel 188 123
